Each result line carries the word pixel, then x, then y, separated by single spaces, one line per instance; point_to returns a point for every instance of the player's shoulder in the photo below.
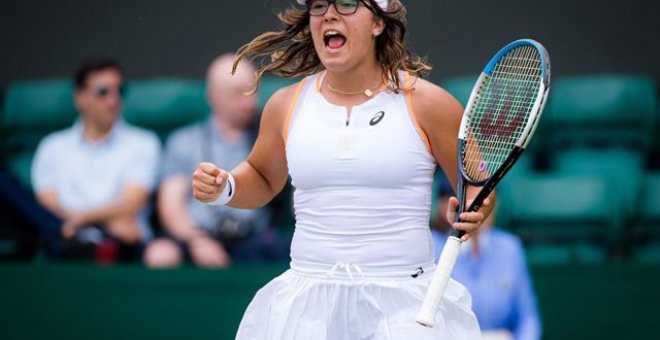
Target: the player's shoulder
pixel 433 105
pixel 282 98
pixel 428 95
pixel 279 104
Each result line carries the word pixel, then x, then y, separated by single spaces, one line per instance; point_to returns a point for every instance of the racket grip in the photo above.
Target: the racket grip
pixel 431 303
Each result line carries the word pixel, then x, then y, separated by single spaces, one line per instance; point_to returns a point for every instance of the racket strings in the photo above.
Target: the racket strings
pixel 500 111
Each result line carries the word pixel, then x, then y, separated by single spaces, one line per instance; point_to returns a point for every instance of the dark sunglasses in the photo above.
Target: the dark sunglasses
pixel 343 7
pixel 104 91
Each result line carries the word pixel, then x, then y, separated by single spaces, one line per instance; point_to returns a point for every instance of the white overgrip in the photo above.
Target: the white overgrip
pixel 431 303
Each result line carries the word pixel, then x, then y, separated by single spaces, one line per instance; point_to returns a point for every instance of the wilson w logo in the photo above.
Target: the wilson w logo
pixel 506 109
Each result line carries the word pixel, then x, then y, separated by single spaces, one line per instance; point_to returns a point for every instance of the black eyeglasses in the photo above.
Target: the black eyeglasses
pixel 104 91
pixel 343 7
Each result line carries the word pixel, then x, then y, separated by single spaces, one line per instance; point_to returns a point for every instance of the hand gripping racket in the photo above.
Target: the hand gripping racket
pixel 499 120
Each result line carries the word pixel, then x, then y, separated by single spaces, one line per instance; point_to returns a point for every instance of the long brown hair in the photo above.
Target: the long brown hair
pixel 290 52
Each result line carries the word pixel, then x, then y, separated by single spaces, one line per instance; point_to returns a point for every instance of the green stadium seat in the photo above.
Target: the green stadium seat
pixel 619 165
pixel 47 102
pixel 522 169
pixel 648 254
pixel 566 210
pixel 32 110
pixel 163 105
pixel 654 155
pixel 19 165
pixel 270 84
pixel 611 110
pixel 558 254
pixel 460 87
pixel 649 206
pixel 646 234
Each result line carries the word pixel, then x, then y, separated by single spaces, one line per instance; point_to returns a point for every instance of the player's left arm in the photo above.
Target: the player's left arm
pixel 439 116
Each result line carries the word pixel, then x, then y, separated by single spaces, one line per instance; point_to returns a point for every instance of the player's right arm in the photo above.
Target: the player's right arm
pixel 264 173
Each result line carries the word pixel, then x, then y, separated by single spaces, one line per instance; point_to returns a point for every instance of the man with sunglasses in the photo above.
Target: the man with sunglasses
pixel 97 175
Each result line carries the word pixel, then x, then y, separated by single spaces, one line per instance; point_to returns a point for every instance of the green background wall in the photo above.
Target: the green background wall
pixel 155 38
pixel 129 302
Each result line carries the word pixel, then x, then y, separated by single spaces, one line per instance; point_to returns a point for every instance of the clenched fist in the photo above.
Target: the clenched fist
pixel 208 182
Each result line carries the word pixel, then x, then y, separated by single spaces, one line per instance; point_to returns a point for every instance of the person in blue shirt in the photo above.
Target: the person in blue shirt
pixel 213 236
pixel 493 268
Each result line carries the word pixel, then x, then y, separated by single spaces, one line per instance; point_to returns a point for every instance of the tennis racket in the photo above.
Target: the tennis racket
pixel 499 120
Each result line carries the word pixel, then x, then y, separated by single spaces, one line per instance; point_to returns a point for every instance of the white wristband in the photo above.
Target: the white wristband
pixel 227 193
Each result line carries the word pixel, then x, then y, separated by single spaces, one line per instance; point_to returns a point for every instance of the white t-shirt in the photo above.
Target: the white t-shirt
pixel 88 176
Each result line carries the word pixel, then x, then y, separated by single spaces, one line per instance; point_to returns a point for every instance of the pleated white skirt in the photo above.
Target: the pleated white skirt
pixel 346 302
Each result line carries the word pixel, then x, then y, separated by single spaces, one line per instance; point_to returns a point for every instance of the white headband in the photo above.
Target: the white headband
pixel 381 3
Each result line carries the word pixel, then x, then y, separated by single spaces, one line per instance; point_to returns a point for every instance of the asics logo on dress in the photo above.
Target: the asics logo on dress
pixel 419 271
pixel 377 118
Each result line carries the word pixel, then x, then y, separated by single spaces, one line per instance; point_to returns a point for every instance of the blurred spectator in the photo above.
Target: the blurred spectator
pixel 97 176
pixel 213 236
pixel 492 266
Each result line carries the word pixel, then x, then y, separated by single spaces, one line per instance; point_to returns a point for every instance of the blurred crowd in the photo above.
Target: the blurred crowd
pixel 108 191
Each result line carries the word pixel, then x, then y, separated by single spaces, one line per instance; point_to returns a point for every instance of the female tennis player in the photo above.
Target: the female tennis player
pixel 360 137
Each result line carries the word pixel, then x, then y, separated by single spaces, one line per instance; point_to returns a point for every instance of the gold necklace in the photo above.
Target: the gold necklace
pixel 368 92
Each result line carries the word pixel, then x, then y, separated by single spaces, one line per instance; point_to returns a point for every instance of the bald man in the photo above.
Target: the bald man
pixel 211 236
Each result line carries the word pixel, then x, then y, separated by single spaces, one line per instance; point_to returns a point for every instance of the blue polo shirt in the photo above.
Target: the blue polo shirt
pixel 497 278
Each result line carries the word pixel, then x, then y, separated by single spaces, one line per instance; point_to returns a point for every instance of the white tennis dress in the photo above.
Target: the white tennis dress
pixel 362 252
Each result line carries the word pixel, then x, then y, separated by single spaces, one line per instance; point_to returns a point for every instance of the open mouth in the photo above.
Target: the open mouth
pixel 334 40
